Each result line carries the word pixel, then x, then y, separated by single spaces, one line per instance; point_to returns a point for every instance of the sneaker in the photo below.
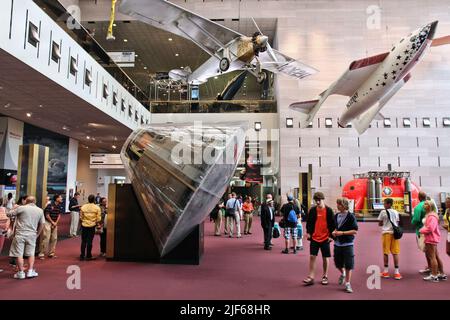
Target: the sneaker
pixel 397 276
pixel 431 278
pixel 102 254
pixel 299 248
pixel 294 251
pixel 90 258
pixel 385 275
pixel 42 257
pixel 32 273
pixel 442 277
pixel 81 258
pixel 19 275
pixel 267 248
pixel 249 232
pixel 348 288
pixel 341 279
pixel 425 271
pixel 285 251
pixel 52 255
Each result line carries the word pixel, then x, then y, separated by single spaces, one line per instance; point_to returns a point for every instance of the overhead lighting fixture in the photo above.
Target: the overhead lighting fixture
pixel 87 77
pixel 29 114
pixel 136 55
pixel 41 106
pixel 216 77
pixel 177 54
pixel 88 137
pixel 170 39
pixel 125 40
pixel 65 128
pixel 73 66
pixel 114 25
pixel 33 34
pixel 257 126
pixel 114 147
pixel 56 52
pixel 145 68
pixel 180 68
pixel 7 105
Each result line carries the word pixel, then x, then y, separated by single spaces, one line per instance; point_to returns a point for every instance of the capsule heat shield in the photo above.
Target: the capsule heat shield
pixel 179 172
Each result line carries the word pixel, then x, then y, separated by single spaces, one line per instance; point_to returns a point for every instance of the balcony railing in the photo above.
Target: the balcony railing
pixel 213 106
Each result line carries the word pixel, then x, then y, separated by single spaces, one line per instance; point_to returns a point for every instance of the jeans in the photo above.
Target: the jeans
pixel 87 235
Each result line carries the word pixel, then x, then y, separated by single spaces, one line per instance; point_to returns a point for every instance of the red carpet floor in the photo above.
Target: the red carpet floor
pixel 230 269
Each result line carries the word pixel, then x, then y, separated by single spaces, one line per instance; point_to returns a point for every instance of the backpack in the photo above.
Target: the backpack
pixel 292 216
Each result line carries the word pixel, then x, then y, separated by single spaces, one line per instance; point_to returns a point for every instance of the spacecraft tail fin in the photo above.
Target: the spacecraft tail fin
pixel 307 110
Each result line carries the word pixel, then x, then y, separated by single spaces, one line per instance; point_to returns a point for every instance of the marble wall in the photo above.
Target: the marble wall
pixel 329 35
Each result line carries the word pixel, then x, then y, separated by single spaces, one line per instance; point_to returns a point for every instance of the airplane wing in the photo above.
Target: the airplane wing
pixel 358 72
pixel 285 64
pixel 207 34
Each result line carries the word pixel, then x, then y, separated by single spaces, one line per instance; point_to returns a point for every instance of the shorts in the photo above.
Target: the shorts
pixel 289 231
pixel 23 246
pixel 390 245
pixel 323 246
pixel 344 257
pixel 448 237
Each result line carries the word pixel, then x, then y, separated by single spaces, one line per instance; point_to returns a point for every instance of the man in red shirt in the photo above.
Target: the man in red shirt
pixel 319 227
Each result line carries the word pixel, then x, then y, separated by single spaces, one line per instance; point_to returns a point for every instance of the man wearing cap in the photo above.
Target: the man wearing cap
pixel 267 220
pixel 319 227
pixel 290 227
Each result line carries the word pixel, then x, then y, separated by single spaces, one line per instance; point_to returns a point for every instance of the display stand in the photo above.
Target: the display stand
pixel 130 239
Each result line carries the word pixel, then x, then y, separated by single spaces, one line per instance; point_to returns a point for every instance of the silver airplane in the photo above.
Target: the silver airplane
pixel 229 50
pixel 371 82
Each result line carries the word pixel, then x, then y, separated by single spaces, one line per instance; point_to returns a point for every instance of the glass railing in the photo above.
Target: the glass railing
pixel 84 38
pixel 213 106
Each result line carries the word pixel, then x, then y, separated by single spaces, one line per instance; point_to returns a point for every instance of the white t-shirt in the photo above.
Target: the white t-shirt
pixel 387 226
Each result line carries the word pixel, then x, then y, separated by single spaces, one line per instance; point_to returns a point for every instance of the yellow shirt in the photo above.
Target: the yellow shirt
pixel 447 219
pixel 90 214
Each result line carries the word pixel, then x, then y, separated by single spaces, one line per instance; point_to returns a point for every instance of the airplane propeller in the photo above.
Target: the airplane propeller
pixel 263 42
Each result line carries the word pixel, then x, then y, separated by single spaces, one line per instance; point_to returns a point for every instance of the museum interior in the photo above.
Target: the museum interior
pixel 172 141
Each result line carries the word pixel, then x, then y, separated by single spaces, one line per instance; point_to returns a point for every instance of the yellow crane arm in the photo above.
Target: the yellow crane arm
pixel 109 35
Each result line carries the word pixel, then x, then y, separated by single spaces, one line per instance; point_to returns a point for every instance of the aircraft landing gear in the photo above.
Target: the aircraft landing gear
pixel 224 64
pixel 261 77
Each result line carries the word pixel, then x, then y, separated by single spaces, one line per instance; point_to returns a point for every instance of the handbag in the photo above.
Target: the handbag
pixel 398 231
pixel 229 212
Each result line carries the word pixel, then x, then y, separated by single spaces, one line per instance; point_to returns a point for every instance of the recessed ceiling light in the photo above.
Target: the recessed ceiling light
pixel 145 68
pixel 181 67
pixel 114 25
pixel 87 137
pixel 65 128
pixel 41 106
pixel 93 139
pixel 115 138
pixel 177 54
pixel 136 55
pixel 125 40
pixel 215 77
pixel 7 105
pixel 29 114
pixel 170 39
pixel 114 147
